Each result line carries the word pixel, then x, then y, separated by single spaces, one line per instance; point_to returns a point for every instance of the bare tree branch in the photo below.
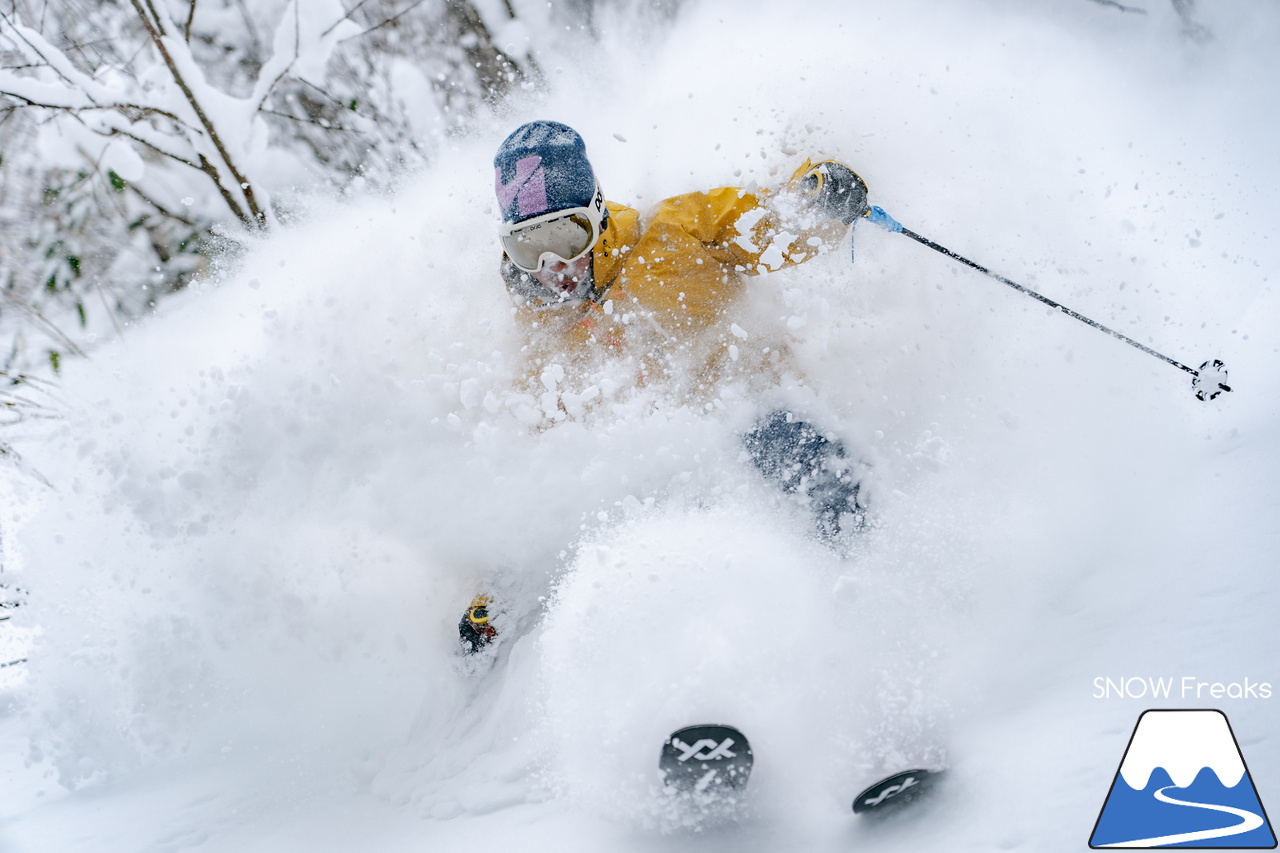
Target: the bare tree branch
pixel 1191 28
pixel 155 21
pixel 55 67
pixel 1123 8
pixel 212 171
pixel 133 112
pixel 494 68
pixel 151 146
pixel 338 128
pixel 297 38
pixel 397 16
pixel 255 45
pixel 258 217
pixel 161 209
pixel 48 324
pixel 346 17
pixel 111 312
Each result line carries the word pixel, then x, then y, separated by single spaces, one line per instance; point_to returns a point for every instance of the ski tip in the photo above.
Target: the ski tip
pixel 709 755
pixel 896 790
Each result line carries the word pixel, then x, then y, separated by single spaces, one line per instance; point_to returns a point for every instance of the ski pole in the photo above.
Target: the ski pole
pixel 1209 380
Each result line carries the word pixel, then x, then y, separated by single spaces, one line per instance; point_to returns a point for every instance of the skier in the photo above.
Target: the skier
pixel 595 281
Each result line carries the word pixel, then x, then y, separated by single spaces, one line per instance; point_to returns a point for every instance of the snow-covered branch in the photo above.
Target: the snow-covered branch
pixel 132 127
pixel 176 55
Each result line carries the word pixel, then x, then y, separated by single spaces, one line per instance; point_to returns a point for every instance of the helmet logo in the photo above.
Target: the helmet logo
pixel 528 188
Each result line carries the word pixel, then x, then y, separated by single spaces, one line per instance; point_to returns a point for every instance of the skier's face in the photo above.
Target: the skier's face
pixel 566 279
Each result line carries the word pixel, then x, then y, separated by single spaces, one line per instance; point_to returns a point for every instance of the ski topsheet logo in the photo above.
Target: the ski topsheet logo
pixel 718 751
pixel 1183 783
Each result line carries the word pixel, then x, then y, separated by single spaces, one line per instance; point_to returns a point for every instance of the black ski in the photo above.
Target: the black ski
pixel 896 790
pixel 699 758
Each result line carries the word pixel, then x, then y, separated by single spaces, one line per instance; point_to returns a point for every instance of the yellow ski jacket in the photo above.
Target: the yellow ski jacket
pixel 666 289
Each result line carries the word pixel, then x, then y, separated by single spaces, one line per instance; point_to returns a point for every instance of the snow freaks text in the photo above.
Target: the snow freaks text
pixel 1186 687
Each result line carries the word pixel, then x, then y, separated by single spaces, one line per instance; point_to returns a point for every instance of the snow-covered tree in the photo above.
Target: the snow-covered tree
pixel 133 127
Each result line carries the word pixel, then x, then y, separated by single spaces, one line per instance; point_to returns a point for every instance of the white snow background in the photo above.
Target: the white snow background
pixel 271 504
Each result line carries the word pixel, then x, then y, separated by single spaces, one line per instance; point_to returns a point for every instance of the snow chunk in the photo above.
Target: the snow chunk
pixel 575 404
pixel 745 226
pixel 775 256
pixel 553 375
pixel 469 393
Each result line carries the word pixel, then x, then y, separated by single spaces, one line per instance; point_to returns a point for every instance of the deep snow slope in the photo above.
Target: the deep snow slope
pixel 270 505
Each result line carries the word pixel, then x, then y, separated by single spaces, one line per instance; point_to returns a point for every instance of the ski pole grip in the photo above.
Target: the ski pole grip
pixel 880 217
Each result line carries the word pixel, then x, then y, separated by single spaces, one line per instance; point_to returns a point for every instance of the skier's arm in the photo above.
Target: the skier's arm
pixel 768 231
pixel 810 213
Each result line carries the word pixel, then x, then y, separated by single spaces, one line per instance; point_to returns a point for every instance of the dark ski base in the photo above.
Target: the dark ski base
pixel 897 790
pixel 705 758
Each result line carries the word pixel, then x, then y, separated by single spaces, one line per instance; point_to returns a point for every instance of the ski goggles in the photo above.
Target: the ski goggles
pixel 564 235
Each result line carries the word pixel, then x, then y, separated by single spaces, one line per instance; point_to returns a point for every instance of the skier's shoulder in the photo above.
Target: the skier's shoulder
pixel 718 200
pixel 701 202
pixel 707 215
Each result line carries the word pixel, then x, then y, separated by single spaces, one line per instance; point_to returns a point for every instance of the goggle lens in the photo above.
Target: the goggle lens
pixel 568 237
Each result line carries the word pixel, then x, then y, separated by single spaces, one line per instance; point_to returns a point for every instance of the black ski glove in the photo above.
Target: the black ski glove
pixel 837 191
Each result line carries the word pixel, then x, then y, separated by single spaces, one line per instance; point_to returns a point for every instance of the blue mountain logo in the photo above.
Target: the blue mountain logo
pixel 1183 783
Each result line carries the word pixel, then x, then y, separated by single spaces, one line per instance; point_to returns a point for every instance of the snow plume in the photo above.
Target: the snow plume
pixel 706 615
pixel 272 504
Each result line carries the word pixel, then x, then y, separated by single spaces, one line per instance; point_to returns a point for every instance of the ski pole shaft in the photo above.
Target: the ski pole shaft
pixel 1046 300
pixel 880 217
